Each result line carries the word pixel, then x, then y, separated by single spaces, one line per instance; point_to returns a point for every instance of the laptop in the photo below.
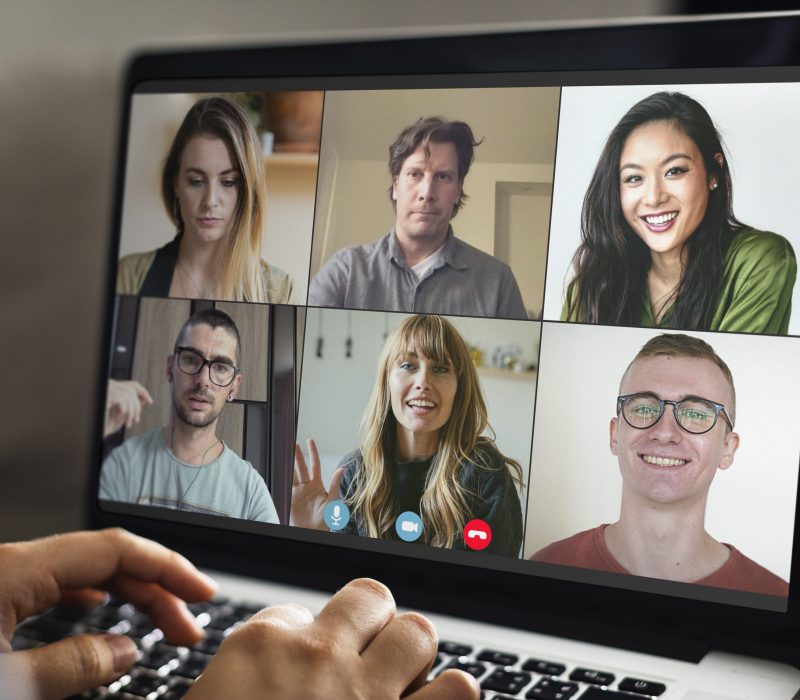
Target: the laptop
pixel 540 107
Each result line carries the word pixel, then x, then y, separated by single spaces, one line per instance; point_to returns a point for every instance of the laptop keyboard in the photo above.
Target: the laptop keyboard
pixel 166 672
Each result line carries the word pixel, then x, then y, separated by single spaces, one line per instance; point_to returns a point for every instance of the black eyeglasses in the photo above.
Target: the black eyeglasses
pixel 694 414
pixel 192 362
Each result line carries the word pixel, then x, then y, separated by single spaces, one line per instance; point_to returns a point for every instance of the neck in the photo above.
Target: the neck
pixel 415 446
pixel 416 250
pixel 664 541
pixel 190 444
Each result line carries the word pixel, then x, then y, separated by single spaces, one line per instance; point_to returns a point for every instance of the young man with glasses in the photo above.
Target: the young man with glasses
pixel 185 465
pixel 672 432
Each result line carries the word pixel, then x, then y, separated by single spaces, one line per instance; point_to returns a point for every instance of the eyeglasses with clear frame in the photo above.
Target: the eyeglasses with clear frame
pixel 190 361
pixel 694 414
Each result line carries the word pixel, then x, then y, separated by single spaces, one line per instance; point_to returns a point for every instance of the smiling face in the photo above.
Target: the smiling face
pixel 664 186
pixel 196 400
pixel 207 188
pixel 426 192
pixel 421 391
pixel 664 464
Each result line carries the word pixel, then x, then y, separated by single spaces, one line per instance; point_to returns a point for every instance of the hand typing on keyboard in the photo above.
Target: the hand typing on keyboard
pixel 78 568
pixel 358 647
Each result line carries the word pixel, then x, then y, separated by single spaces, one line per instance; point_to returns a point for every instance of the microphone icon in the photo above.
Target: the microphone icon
pixel 336 516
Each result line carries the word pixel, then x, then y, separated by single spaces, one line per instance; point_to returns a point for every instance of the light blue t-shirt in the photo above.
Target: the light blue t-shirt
pixel 143 470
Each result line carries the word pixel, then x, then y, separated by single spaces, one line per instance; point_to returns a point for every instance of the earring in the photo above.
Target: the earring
pixel 714 185
pixel 230 397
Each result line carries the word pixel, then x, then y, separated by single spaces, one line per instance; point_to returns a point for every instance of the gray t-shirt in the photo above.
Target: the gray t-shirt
pixel 143 470
pixel 463 281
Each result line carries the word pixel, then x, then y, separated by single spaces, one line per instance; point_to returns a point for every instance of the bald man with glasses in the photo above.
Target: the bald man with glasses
pixel 185 465
pixel 673 429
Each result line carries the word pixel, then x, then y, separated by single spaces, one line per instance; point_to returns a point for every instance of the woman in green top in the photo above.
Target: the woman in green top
pixel 660 245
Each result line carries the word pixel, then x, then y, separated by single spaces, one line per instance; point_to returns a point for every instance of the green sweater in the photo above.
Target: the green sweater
pixel 758 277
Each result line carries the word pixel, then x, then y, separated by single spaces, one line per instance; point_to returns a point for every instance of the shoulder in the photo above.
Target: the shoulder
pixel 752 247
pixel 132 270
pixel 476 257
pixel 366 251
pixel 137 448
pixel 743 573
pixel 582 549
pixel 277 283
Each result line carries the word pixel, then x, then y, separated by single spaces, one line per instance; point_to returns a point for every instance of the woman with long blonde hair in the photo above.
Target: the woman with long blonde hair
pixel 423 450
pixel 213 189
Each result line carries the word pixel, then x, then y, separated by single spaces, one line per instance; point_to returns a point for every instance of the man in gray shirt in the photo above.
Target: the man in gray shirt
pixel 185 465
pixel 420 266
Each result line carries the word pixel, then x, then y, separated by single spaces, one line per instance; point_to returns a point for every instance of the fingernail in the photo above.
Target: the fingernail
pixel 123 650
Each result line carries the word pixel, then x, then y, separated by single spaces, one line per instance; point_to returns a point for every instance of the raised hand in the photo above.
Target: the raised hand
pixel 309 496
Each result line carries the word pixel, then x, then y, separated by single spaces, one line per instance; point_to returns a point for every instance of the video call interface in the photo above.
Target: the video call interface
pixel 510 336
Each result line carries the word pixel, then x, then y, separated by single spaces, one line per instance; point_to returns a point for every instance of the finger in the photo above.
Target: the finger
pixel 357 613
pixel 334 490
pixel 300 469
pixel 166 610
pixel 403 652
pixel 143 394
pixel 313 455
pixel 83 598
pixel 288 615
pixel 98 559
pixel 451 685
pixel 76 664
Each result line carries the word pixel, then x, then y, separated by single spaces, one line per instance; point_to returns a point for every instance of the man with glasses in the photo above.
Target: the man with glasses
pixel 185 465
pixel 672 431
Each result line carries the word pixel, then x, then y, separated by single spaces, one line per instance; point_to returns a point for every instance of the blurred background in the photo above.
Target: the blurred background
pixel 61 66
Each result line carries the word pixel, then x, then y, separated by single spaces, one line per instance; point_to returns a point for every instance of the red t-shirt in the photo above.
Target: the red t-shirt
pixel 588 550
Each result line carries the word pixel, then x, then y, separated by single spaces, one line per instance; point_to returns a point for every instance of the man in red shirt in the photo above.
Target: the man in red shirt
pixel 672 432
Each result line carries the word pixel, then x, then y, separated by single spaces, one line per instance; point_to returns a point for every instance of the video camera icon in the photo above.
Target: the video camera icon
pixel 408 526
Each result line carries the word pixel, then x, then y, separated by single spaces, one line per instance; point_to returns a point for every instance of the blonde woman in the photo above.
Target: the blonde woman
pixel 422 450
pixel 212 186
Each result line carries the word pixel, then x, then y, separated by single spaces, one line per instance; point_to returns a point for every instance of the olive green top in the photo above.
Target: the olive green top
pixel 758 277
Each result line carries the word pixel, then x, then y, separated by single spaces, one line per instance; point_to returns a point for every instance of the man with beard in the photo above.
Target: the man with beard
pixel 185 465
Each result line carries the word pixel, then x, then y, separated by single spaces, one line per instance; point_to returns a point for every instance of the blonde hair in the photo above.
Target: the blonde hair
pixel 218 117
pixel 443 507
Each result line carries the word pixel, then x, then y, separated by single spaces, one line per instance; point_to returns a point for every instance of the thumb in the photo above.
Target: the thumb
pixel 336 480
pixel 79 663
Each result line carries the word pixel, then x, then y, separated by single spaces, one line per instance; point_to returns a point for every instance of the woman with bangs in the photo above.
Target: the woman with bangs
pixel 213 188
pixel 423 450
pixel 660 245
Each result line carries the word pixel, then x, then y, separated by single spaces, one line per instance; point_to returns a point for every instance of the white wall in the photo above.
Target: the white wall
pixel 575 483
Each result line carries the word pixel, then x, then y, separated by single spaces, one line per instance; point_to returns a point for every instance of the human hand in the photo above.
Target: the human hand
pixel 309 496
pixel 124 404
pixel 76 568
pixel 358 647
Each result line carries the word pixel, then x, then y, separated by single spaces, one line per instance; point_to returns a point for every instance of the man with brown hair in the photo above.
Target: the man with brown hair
pixel 420 266
pixel 672 432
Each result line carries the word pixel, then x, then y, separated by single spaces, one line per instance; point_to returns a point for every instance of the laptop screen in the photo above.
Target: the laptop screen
pixel 527 325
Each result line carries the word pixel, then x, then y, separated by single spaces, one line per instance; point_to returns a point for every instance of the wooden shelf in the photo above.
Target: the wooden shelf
pixel 526 376
pixel 291 160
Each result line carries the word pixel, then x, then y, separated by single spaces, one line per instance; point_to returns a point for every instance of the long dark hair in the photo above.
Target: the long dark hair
pixel 612 262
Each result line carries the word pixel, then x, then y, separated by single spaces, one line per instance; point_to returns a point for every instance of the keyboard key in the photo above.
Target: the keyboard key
pixel 454 649
pixel 210 643
pixel 552 689
pixel 546 668
pixel 193 666
pixel 499 658
pixel 143 684
pixel 178 687
pixel 595 693
pixel 506 681
pixel 636 685
pixel 474 668
pixel 588 675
